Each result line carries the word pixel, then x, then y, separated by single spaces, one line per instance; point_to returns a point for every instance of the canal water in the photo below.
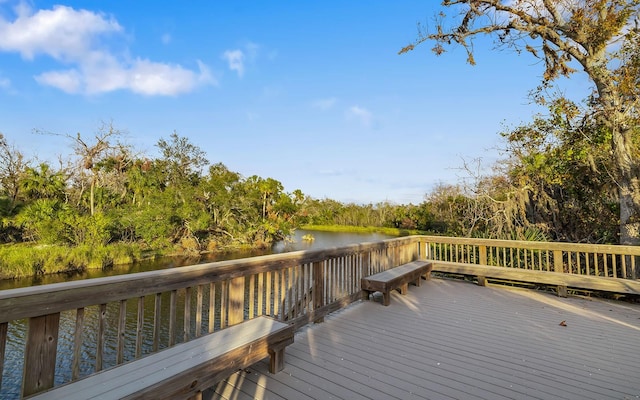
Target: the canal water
pixel 13 364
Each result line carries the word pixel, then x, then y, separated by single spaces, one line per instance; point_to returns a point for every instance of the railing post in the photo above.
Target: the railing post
pixel 365 267
pixel 318 288
pixel 236 300
pixel 40 354
pixel 483 254
pixel 557 261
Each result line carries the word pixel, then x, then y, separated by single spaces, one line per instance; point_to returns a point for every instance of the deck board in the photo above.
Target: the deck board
pixel 453 340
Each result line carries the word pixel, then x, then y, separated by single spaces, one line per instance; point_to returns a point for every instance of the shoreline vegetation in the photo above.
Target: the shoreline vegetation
pixel 24 260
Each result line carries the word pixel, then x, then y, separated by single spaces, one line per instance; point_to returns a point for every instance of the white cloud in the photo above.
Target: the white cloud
pixel 140 76
pixel 62 32
pixel 75 38
pixel 325 104
pixel 238 59
pixel 235 59
pixel 361 114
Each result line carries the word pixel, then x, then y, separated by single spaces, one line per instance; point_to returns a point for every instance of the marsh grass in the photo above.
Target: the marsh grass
pixel 18 261
pixel 363 229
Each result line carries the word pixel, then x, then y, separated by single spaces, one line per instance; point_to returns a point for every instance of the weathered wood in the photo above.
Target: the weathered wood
pixel 4 328
pixel 140 327
pixel 542 277
pixel 199 300
pixel 102 330
pixel 186 369
pixel 261 293
pixel 224 303
pixel 77 344
pixel 395 278
pixel 173 307
pixel 318 288
pixel 268 293
pixel 252 292
pixel 236 301
pixel 186 323
pixel 212 307
pixel 122 326
pixel 40 354
pixel 157 321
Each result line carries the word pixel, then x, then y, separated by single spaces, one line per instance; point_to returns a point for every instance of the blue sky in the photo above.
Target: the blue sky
pixel 312 94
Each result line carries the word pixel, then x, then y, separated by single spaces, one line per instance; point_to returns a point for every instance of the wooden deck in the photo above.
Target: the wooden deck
pixel 455 340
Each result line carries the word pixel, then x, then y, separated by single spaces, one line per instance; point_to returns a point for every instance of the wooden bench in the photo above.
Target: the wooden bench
pixel 561 281
pixel 185 370
pixel 395 278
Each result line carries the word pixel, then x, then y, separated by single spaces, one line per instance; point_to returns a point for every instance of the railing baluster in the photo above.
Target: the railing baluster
pixel 4 328
pixel 224 301
pixel 77 345
pixel 212 307
pixel 140 327
pixel 252 293
pixel 186 324
pixel 173 306
pixel 318 288
pixel 268 293
pixel 199 299
pixel 157 321
pixel 102 316
pixel 276 292
pixel 261 293
pixel 122 322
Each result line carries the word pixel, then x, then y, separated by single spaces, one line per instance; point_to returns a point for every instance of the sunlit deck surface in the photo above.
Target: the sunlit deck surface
pixel 455 340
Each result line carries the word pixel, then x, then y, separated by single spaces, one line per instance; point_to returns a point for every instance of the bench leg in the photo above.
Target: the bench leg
pixel 482 281
pixel 365 295
pixel 418 281
pixel 386 298
pixel 427 274
pixel 404 288
pixel 562 291
pixel 276 360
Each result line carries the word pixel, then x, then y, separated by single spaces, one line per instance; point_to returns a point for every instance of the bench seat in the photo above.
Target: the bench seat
pixel 395 278
pixel 185 370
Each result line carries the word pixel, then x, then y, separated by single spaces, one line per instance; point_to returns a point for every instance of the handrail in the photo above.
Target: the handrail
pixel 572 258
pixel 103 322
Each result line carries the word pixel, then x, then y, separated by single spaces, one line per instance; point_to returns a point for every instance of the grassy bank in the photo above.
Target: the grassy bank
pixel 18 261
pixel 363 229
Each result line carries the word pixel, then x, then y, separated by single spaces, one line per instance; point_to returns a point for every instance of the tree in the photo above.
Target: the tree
pixel 91 153
pixel 560 164
pixel 599 36
pixel 12 167
pixel 183 160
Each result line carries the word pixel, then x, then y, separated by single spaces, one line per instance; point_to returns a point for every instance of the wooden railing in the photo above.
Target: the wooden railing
pixel 570 258
pixel 54 334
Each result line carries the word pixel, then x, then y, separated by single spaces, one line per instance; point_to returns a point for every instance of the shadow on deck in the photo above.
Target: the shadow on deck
pixel 454 340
